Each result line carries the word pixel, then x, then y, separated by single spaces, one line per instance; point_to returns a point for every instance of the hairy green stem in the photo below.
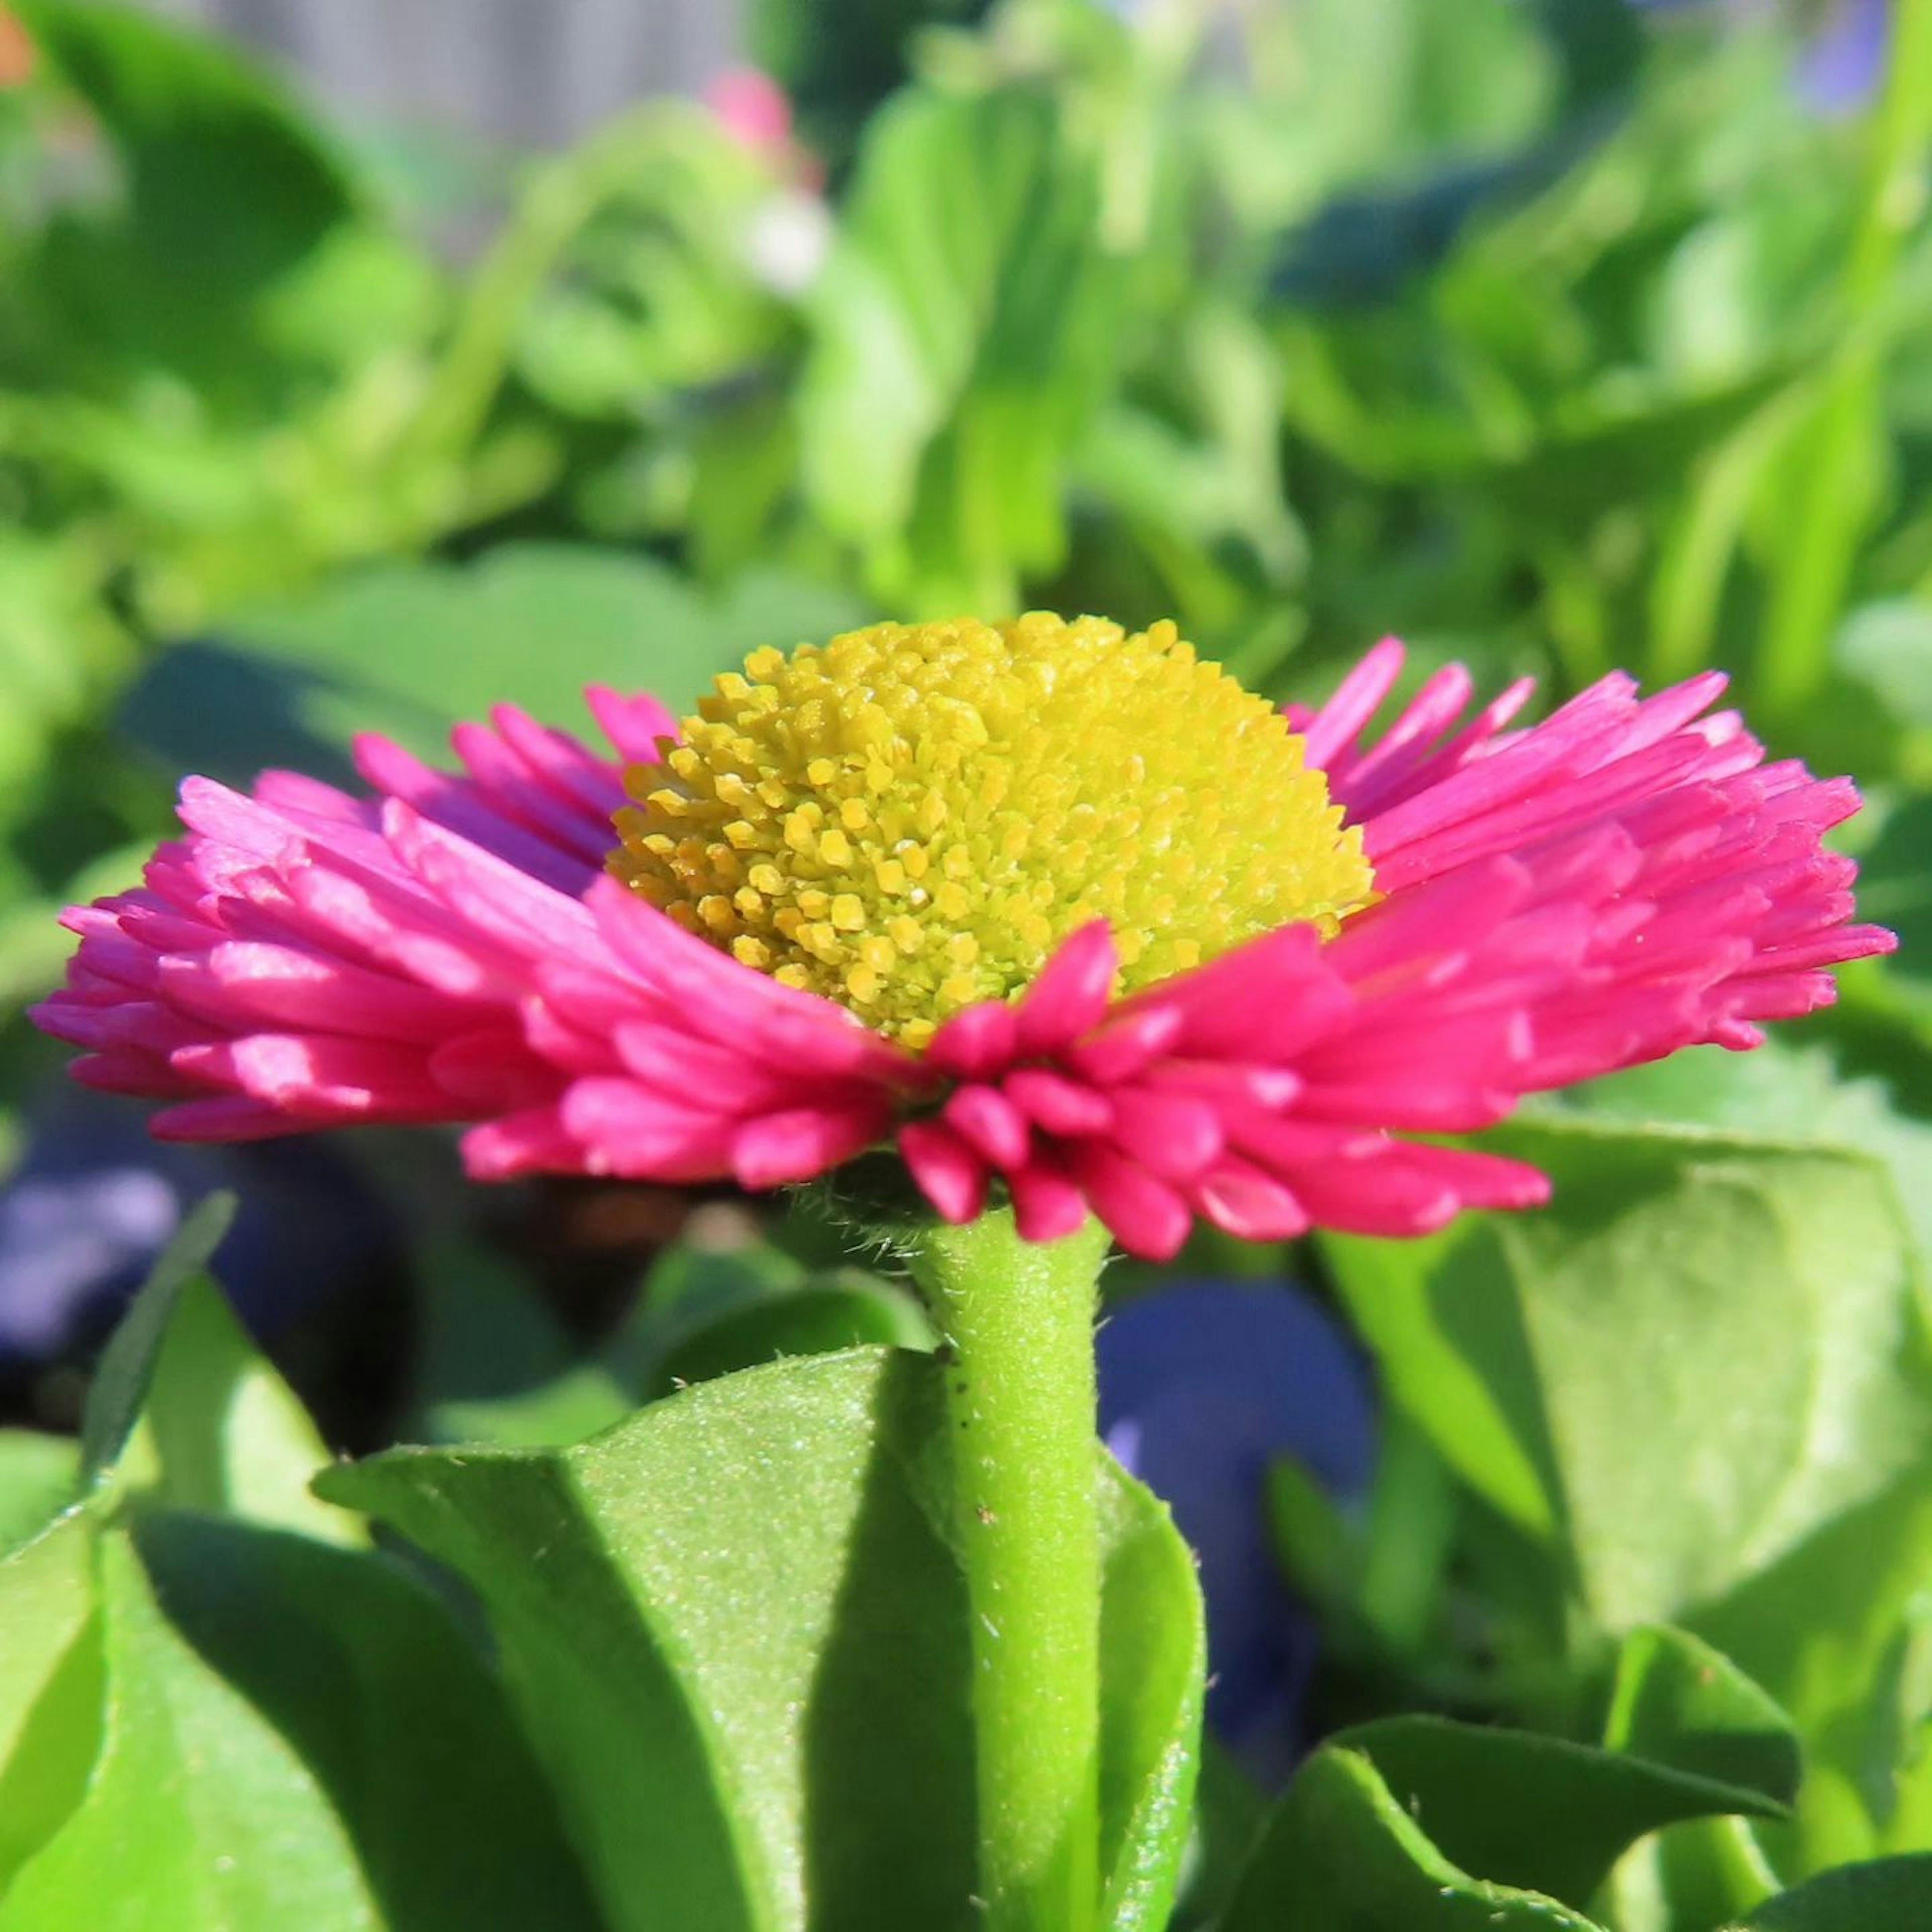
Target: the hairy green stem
pixel 1018 1319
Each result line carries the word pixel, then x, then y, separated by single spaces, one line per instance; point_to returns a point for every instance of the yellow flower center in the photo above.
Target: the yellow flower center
pixel 911 817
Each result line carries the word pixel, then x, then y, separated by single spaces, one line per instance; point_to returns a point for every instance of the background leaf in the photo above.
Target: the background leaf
pixel 228 1434
pixel 203 1815
pixel 126 1367
pixel 755 1577
pixel 1679 1703
pixel 1781 1378
pixel 367 1676
pixel 40 1475
pixel 1342 1854
pixel 530 626
pixel 1861 1898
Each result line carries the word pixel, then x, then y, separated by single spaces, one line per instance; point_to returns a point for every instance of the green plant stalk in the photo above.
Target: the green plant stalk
pixel 1834 502
pixel 1018 1319
pixel 560 202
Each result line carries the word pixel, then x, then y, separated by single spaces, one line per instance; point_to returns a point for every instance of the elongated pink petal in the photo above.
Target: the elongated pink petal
pixel 1070 996
pixel 990 1124
pixel 949 1174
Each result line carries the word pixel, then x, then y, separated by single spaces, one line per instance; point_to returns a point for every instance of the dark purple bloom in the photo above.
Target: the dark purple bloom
pixel 1203 1385
pixel 93 1200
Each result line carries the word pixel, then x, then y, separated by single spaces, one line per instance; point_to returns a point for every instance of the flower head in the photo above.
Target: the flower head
pixel 911 820
pixel 1043 906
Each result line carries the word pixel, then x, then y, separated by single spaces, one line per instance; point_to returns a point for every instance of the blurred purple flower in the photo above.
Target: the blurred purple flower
pixel 1203 1385
pixel 1845 62
pixel 93 1200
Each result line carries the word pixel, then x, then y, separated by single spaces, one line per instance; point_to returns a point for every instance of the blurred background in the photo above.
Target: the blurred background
pixel 363 365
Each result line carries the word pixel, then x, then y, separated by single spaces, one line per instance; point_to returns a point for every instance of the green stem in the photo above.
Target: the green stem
pixel 1019 1320
pixel 1834 487
pixel 560 200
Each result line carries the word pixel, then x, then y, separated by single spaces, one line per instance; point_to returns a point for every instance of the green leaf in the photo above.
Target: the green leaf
pixel 1678 1703
pixel 226 191
pixel 965 335
pixel 1691 1878
pixel 228 1434
pixel 1420 1816
pixel 199 1814
pixel 1825 1631
pixel 412 648
pixel 198 129
pixel 817 1319
pixel 738 1633
pixel 49 1673
pixel 1791 1093
pixel 1705 1350
pixel 1895 889
pixel 1888 647
pixel 1341 1854
pixel 126 1367
pixel 293 1735
pixel 40 1475
pixel 1887 1895
pixel 366 1675
pixel 704 1313
pixel 1535 1812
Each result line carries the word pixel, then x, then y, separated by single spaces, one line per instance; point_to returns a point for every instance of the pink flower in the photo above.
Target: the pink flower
pixel 1628 877
pixel 753 109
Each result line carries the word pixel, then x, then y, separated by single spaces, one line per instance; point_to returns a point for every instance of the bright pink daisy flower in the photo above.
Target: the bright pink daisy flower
pixel 1042 907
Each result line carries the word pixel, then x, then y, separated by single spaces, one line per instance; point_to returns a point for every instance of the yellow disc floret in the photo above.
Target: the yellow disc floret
pixel 911 817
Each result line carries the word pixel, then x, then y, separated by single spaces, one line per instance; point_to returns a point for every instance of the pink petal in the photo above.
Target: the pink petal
pixel 990 1124
pixel 949 1174
pixel 1070 996
pixel 1047 1204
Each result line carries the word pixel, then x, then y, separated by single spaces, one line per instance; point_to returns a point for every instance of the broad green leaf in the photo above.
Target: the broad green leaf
pixel 739 1634
pixel 1678 1703
pixel 227 191
pixel 50 1674
pixel 366 1675
pixel 817 1319
pixel 288 1734
pixel 1538 1812
pixel 198 1816
pixel 529 625
pixel 1341 1854
pixel 1824 1630
pixel 197 128
pixel 1703 1351
pixel 127 1366
pixel 1887 1895
pixel 228 1434
pixel 704 1313
pixel 40 1475
pixel 1793 1094
pixel 1692 1877
pixel 1421 1816
pixel 44 1776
